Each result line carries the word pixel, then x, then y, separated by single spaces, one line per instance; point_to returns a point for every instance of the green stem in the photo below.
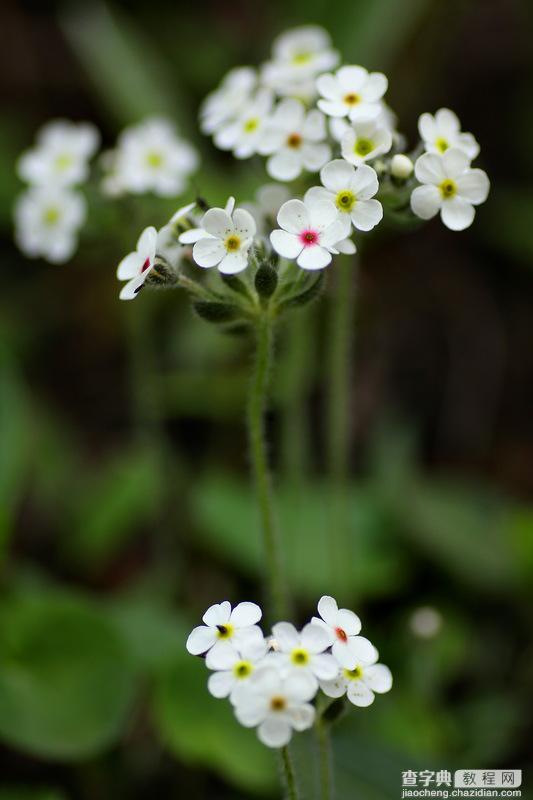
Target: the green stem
pixel 289 774
pixel 194 288
pixel 256 433
pixel 326 772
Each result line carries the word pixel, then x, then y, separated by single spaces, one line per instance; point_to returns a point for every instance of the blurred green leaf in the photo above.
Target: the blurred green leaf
pixel 20 793
pixel 200 729
pixel 154 633
pixel 115 501
pixel 66 681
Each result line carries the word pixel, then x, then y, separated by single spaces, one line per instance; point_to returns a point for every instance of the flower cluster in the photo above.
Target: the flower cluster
pixel 50 212
pixel 299 113
pixel 271 682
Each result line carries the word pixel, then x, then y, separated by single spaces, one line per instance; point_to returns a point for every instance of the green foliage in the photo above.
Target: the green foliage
pixel 66 680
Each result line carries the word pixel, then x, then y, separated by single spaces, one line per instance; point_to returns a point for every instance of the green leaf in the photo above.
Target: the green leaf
pixel 66 680
pixel 21 793
pixel 218 313
pixel 124 494
pixel 200 729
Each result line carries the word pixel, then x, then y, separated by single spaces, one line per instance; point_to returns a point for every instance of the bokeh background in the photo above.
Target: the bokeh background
pixel 125 507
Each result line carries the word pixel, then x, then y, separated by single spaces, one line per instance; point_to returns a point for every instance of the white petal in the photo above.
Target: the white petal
pixel 314 156
pixel 328 610
pixel 130 266
pixel 290 113
pixel 337 175
pixel 325 667
pixel 313 258
pixel 253 646
pixel 317 193
pixel 208 252
pixel 426 201
pixel 334 688
pixel 217 222
pixel 359 694
pixel 301 716
pixel 366 214
pixel 362 649
pixel 147 242
pixel 131 289
pixel 333 108
pixel 473 186
pixel 343 655
pixel 365 182
pixel 293 216
pixel 457 214
pixel 328 86
pixel 286 636
pixel 468 143
pixel 194 235
pixel 427 127
pixel 322 214
pixel 220 684
pixel 274 731
pixel 250 709
pixel 244 223
pixel 286 244
pixel 217 614
pixel 351 78
pixel 223 656
pixel 335 232
pixel 284 166
pixel 346 246
pixel 300 685
pixel 267 680
pixel 375 87
pixel 200 640
pixel 314 127
pixel 348 621
pixel 314 638
pixel 325 627
pixel 429 168
pixel 378 678
pixel 455 162
pixel 447 123
pixel 234 262
pixel 245 613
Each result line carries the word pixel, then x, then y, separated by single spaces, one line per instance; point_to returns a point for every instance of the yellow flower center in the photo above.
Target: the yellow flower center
pixel 51 216
pixel 278 703
pixel 251 125
pixel 441 144
pixel 353 674
pixel 363 147
pixel 225 631
pixel 300 657
pixel 232 243
pixel 63 162
pixel 303 57
pixel 242 669
pixel 448 189
pixel 345 200
pixel 351 99
pixel 154 159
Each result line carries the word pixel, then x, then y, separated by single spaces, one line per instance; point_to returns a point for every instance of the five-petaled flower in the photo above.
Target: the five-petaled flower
pixel 352 92
pixel 304 651
pixel 342 627
pixel 61 156
pixel 449 186
pixel 442 131
pixel 309 232
pixel 136 266
pixel 365 140
pixel 360 682
pixel 223 625
pixel 351 190
pixel 223 239
pixel 47 219
pixel 233 666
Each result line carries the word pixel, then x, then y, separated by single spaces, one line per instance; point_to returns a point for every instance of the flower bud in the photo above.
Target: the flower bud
pixel 266 281
pixel 401 166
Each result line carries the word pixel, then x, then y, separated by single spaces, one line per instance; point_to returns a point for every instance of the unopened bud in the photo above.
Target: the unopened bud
pixel 401 166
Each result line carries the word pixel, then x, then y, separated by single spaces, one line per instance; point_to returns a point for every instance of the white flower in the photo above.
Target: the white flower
pixel 229 100
pixel 150 157
pixel 360 683
pixel 168 244
pixel 62 154
pixel 310 233
pixel 442 131
pixel 234 667
pixel 47 219
pixel 223 239
pixel 276 704
pixel 450 186
pixel 136 266
pixel 352 92
pixel 268 200
pixel 298 55
pixel 304 651
pixel 243 135
pixel 351 190
pixel 294 140
pixel 342 627
pixel 223 625
pixel 401 166
pixel 365 140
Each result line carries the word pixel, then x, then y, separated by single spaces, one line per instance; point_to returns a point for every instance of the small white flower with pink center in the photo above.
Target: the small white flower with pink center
pixel 136 266
pixel 310 232
pixel 223 625
pixel 342 627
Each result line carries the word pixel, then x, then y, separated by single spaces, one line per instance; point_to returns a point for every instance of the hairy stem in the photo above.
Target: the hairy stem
pixel 257 402
pixel 289 774
pixel 325 766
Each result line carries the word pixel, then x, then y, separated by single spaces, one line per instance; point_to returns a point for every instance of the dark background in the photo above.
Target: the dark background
pixel 125 508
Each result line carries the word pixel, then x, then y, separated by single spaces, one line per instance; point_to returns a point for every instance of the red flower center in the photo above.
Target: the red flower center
pixel 309 238
pixel 341 635
pixel 145 266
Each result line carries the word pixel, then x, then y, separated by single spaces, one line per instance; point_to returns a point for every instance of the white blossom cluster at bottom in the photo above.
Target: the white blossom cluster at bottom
pixel 272 681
